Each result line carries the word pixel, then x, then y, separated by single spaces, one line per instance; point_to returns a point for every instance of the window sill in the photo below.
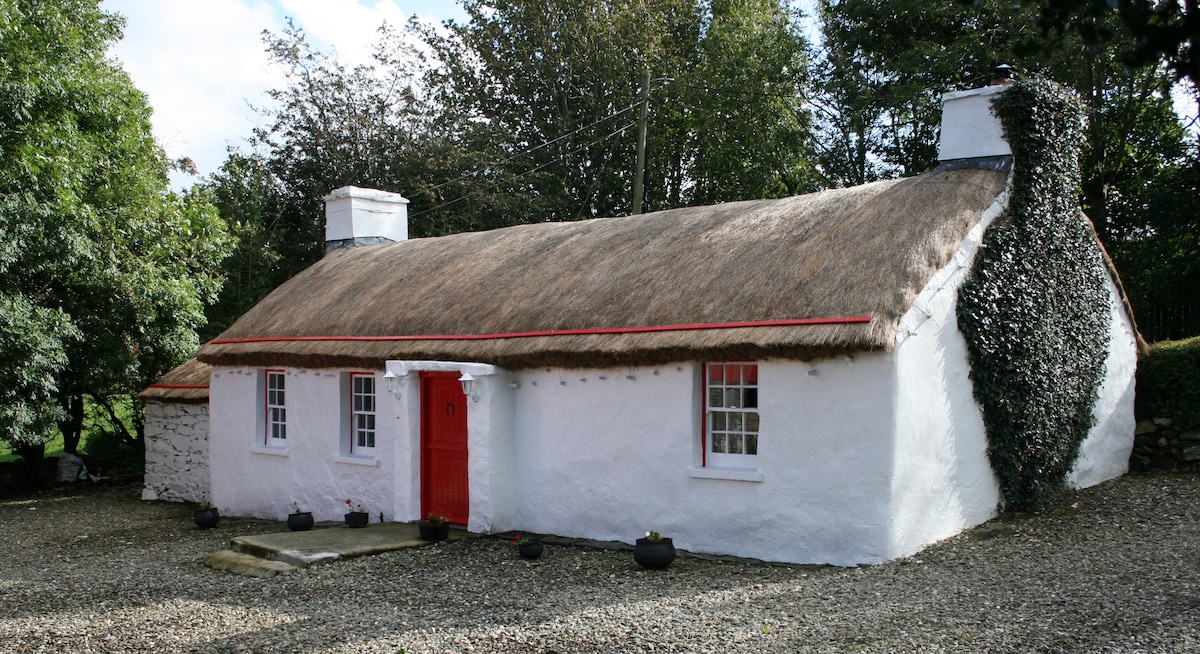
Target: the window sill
pixel 728 474
pixel 270 451
pixel 357 461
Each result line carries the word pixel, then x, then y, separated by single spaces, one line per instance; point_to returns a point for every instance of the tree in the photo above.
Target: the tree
pixel 726 122
pixel 103 271
pixel 1162 31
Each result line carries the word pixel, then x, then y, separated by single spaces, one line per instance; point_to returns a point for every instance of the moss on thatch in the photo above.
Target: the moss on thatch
pixel 864 251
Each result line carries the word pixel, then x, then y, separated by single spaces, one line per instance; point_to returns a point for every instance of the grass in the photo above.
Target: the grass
pixel 94 424
pixel 54 447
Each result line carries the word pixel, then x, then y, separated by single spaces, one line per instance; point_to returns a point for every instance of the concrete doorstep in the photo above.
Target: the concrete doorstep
pixel 268 555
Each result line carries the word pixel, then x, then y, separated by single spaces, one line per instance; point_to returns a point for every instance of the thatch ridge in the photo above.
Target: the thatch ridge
pixel 863 251
pixel 187 384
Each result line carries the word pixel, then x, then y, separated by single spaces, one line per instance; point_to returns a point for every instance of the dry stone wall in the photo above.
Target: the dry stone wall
pixel 176 452
pixel 1161 444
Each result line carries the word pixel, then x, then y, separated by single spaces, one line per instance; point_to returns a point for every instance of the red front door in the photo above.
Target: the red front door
pixel 443 446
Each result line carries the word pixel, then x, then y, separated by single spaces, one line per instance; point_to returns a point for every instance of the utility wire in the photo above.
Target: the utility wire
pixel 533 149
pixel 532 170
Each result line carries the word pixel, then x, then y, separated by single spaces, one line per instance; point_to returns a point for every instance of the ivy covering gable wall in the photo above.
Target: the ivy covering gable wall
pixel 1035 309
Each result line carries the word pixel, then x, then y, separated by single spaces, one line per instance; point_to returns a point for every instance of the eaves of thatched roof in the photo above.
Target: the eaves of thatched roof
pixel 801 277
pixel 187 384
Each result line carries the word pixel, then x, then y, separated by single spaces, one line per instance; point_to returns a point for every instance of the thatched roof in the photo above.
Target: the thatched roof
pixel 187 384
pixel 862 253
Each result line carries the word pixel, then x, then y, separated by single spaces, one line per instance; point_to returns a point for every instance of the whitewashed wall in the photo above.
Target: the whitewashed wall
pixel 603 456
pixel 942 480
pixel 249 479
pixel 1105 453
pixel 177 467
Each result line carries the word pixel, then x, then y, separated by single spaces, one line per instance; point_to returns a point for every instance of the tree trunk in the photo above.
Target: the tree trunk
pixel 72 427
pixel 34 457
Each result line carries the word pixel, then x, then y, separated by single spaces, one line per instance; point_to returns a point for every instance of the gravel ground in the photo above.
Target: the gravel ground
pixel 1113 568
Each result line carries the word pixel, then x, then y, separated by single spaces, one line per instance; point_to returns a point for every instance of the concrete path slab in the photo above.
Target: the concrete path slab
pixel 323 545
pixel 269 555
pixel 247 565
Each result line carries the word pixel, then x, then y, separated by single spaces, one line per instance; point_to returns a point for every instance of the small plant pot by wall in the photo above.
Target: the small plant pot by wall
pixel 433 530
pixel 207 518
pixel 654 555
pixel 531 550
pixel 357 520
pixel 300 521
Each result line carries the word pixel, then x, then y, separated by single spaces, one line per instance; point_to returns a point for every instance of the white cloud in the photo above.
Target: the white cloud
pixel 202 64
pixel 347 25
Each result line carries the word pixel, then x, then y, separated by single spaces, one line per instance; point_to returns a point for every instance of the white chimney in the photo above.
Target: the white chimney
pixel 969 128
pixel 362 216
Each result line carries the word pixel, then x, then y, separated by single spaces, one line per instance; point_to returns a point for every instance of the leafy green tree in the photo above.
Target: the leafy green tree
pixel 103 271
pixel 726 120
pixel 751 136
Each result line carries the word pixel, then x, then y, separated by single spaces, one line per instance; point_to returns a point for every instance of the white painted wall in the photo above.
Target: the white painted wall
pixel 629 466
pixel 942 480
pixel 1105 453
pixel 176 452
pixel 249 479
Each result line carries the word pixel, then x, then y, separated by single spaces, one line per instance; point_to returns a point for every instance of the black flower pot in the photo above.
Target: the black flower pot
pixel 654 555
pixel 357 520
pixel 300 521
pixel 207 518
pixel 430 530
pixel 531 550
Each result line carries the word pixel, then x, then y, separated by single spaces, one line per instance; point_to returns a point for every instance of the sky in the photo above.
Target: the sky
pixel 203 65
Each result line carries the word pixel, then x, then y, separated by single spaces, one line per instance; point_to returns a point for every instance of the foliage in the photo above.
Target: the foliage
pixel 1168 382
pixel 1164 32
pixel 103 272
pixel 880 81
pixel 1035 309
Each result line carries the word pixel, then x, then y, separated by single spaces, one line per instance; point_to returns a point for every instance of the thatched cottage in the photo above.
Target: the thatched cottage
pixel 778 379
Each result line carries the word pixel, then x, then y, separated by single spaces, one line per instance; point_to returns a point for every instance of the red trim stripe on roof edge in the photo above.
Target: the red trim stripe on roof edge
pixel 178 385
pixel 553 332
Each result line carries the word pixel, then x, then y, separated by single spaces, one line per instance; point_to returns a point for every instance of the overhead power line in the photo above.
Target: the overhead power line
pixel 530 150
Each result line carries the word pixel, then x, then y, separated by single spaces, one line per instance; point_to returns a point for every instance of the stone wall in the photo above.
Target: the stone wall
pixel 1161 444
pixel 176 452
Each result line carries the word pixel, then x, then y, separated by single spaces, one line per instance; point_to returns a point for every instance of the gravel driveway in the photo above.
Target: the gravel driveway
pixel 1113 568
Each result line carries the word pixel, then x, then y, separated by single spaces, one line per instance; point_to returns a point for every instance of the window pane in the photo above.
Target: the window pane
pixel 368 403
pixel 751 397
pixel 370 440
pixel 751 423
pixel 750 375
pixel 733 376
pixel 718 421
pixel 735 444
pixel 716 397
pixel 716 374
pixel 370 421
pixel 751 444
pixel 718 443
pixel 735 422
pixel 733 398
